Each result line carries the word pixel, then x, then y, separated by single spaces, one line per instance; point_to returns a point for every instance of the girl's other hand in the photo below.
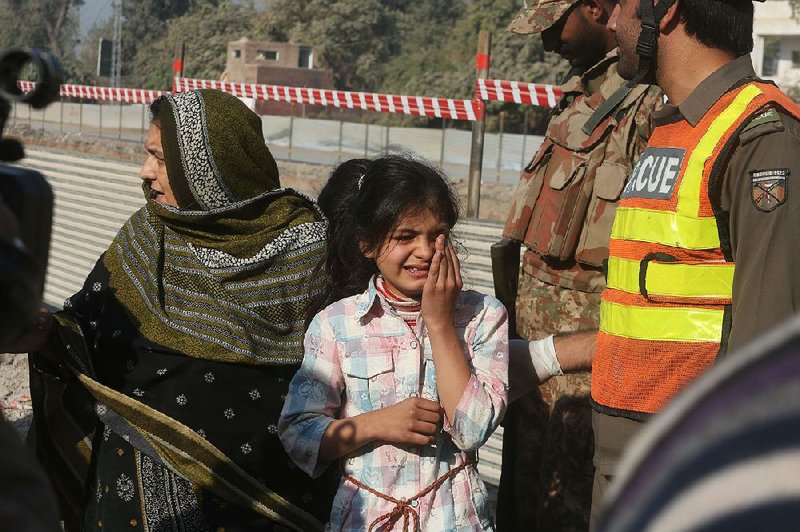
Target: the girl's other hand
pixel 442 285
pixel 412 421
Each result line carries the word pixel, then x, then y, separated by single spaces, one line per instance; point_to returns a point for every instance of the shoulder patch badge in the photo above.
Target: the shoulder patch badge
pixel 768 188
pixel 764 117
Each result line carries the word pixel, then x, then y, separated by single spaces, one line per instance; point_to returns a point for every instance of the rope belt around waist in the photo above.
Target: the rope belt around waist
pixel 402 507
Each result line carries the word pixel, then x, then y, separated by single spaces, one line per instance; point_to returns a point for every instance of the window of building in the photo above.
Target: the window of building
pixel 772 49
pixel 267 55
pixel 796 59
pixel 237 54
pixel 306 59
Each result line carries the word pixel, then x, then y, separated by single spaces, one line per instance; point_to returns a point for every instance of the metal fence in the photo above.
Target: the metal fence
pixel 311 140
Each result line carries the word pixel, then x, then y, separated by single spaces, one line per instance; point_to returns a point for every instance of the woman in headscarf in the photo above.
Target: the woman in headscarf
pixel 185 336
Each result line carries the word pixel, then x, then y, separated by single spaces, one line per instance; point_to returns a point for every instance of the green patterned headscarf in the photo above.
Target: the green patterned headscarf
pixel 227 274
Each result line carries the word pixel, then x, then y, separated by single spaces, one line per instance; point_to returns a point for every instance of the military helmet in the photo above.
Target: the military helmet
pixel 539 16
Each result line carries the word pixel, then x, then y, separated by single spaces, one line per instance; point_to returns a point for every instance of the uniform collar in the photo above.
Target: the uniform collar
pixel 706 94
pixel 593 76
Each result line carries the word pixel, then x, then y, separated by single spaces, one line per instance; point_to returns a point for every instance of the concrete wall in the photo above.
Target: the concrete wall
pixel 288 56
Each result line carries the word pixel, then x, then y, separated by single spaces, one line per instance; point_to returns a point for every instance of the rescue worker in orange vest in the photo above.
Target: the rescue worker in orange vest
pixel 702 255
pixel 562 213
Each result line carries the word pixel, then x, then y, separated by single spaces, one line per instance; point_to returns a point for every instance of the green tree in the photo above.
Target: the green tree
pixel 355 38
pixel 46 24
pixel 206 31
pixel 145 26
pixel 85 71
pixel 443 63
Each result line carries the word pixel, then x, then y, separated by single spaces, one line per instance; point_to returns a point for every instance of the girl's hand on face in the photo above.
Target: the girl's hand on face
pixel 412 421
pixel 442 285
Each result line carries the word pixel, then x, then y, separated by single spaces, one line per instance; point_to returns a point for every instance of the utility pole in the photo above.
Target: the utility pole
pixel 478 128
pixel 116 54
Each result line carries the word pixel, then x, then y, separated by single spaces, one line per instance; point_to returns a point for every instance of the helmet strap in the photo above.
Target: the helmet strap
pixel 647 44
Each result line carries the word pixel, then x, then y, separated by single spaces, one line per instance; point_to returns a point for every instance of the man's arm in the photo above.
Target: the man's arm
pixel 533 363
pixel 760 193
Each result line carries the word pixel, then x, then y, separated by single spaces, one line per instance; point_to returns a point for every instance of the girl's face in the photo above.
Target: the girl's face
pixel 405 256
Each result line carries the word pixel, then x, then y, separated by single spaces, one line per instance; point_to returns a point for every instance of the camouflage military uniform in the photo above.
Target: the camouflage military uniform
pixel 563 211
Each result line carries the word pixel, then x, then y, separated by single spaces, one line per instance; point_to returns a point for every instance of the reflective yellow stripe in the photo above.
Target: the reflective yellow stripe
pixel 663 227
pixel 678 324
pixel 710 280
pixel 684 228
pixel 689 193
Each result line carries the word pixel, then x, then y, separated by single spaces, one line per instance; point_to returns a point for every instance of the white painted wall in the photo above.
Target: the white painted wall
pixel 773 18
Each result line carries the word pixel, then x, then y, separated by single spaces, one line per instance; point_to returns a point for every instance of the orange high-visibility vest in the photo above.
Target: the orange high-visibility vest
pixel 665 314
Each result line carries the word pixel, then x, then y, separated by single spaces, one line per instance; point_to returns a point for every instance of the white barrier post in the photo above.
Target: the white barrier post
pixel 478 128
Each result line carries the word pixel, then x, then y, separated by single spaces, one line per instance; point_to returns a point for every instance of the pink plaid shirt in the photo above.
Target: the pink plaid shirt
pixel 359 357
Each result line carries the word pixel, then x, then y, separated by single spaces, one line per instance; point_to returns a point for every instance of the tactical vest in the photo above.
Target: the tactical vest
pixel 564 205
pixel 665 314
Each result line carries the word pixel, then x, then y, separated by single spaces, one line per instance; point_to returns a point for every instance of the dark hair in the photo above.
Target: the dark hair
pixel 364 200
pixel 155 110
pixel 723 24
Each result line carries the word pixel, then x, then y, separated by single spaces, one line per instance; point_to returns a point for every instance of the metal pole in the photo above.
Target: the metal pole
pixel 386 150
pixel 119 131
pixel 43 112
pixel 291 129
pixel 441 148
pixel 144 128
pixel 61 111
pixel 341 127
pixel 366 139
pixel 524 137
pixel 500 146
pixel 478 128
pixel 100 106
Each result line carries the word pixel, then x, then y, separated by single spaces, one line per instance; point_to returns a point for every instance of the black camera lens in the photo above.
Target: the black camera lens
pixel 48 73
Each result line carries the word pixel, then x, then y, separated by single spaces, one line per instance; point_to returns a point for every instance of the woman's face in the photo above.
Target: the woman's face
pixel 154 170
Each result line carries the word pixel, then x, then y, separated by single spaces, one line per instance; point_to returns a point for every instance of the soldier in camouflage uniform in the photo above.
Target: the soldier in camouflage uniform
pixel 563 211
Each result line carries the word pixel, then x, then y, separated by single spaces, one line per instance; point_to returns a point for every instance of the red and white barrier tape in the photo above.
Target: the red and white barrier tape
pixel 517 92
pixel 112 94
pixel 367 101
pixel 485 89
